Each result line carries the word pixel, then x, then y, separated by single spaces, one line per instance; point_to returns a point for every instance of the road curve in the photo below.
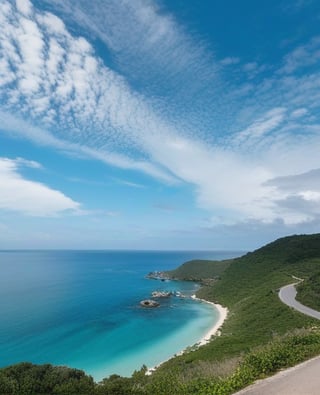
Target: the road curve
pixel 287 295
pixel 303 379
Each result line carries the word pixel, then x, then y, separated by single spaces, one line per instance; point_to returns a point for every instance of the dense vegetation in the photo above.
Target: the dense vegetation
pixel 309 291
pixel 260 336
pixel 198 270
pixel 26 378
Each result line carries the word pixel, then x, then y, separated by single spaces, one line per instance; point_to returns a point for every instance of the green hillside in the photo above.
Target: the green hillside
pixel 249 288
pixel 196 270
pixel 268 267
pixel 309 291
pixel 260 336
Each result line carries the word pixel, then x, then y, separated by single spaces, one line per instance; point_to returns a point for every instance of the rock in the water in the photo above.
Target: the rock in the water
pixel 149 303
pixel 161 294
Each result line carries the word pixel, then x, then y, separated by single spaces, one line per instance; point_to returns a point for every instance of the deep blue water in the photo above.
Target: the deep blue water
pixel 81 309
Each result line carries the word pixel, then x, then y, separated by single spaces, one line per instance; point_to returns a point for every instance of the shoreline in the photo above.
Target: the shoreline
pixel 214 330
pixel 223 313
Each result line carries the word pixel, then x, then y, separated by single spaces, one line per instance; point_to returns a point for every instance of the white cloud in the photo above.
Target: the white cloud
pixel 302 56
pixel 6 75
pixel 29 197
pixel 123 25
pixel 81 105
pixel 28 163
pixel 299 113
pixel 260 127
pixel 250 67
pixel 24 6
pixel 253 69
pixel 229 61
pixel 299 196
pixel 83 94
pixel 310 195
pixel 22 129
pixel 52 23
pixel 294 183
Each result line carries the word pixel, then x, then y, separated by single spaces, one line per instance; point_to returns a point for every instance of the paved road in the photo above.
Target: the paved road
pixel 288 294
pixel 303 379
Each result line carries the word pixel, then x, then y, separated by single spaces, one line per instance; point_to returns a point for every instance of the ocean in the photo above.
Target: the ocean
pixel 81 309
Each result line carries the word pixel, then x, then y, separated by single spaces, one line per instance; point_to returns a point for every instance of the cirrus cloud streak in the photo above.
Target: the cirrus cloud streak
pixel 58 84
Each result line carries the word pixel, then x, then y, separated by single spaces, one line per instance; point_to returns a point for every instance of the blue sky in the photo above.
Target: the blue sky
pixel 148 124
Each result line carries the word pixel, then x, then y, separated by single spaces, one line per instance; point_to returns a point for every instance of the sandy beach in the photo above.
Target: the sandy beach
pixel 223 312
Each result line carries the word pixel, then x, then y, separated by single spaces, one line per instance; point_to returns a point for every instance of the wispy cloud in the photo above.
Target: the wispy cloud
pixel 155 54
pixel 168 52
pixel 13 125
pixel 70 99
pixel 260 128
pixel 231 60
pixel 29 197
pixel 303 56
pixel 130 184
pixel 60 86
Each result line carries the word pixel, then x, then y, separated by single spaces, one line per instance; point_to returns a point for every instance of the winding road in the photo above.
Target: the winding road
pixel 287 295
pixel 303 379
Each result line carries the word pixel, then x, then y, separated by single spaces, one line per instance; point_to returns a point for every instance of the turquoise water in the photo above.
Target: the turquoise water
pixel 81 309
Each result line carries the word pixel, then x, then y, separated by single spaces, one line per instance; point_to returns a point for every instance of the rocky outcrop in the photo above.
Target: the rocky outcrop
pixel 149 303
pixel 161 294
pixel 158 276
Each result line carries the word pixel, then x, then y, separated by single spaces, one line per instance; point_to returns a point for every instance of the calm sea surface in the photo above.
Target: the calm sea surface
pixel 81 309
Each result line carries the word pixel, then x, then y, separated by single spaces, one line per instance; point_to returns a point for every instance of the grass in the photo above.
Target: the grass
pixel 199 270
pixel 309 291
pixel 281 352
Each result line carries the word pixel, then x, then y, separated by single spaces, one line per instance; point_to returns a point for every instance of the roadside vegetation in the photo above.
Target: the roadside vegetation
pixel 260 336
pixel 309 291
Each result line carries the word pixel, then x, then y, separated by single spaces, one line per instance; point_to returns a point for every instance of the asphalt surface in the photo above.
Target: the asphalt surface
pixel 288 294
pixel 303 379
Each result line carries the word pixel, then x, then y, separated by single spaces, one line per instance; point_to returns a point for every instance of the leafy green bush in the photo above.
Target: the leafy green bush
pixel 281 353
pixel 26 378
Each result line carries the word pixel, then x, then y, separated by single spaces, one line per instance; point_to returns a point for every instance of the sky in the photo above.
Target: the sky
pixel 158 124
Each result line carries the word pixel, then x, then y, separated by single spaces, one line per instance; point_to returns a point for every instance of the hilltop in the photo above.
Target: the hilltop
pixel 199 270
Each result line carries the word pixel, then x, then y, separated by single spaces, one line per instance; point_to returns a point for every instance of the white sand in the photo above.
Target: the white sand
pixel 223 312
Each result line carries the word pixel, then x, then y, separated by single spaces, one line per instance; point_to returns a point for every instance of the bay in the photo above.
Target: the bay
pixel 81 309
